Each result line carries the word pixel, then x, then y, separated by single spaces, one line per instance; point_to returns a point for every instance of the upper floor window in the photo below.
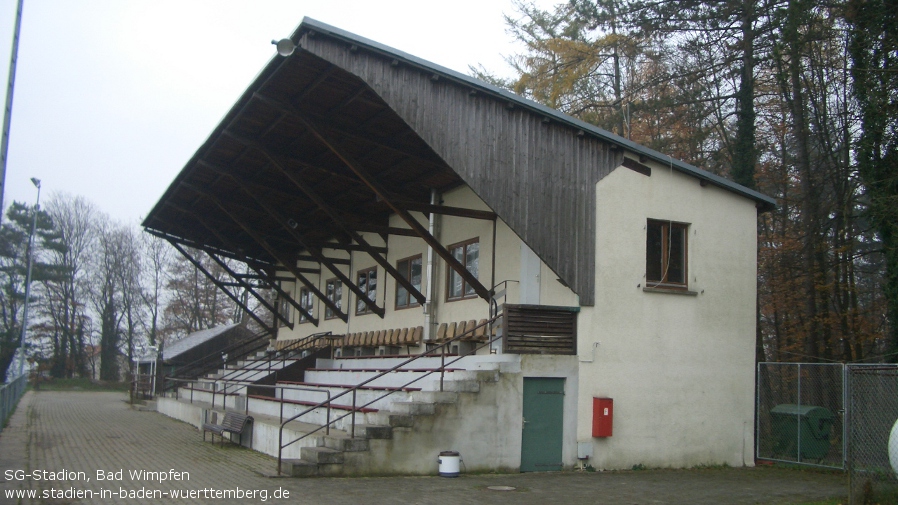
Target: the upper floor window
pixel 305 301
pixel 468 254
pixel 334 293
pixel 285 309
pixel 367 283
pixel 410 270
pixel 666 254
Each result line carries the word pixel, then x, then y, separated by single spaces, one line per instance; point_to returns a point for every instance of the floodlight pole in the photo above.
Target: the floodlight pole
pixel 37 208
pixel 7 112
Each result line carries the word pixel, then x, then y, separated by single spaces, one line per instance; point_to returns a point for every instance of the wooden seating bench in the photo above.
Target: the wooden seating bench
pixel 233 422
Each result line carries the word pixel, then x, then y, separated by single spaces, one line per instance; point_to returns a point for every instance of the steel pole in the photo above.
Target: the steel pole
pixel 7 113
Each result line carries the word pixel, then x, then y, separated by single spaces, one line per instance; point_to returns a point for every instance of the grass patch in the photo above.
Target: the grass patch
pixel 81 384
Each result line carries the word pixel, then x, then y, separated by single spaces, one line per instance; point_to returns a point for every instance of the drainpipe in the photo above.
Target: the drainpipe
pixel 429 307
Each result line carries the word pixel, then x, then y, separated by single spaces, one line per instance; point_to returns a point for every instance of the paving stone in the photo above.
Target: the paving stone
pixel 91 431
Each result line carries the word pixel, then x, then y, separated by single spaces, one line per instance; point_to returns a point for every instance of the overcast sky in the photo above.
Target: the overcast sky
pixel 112 97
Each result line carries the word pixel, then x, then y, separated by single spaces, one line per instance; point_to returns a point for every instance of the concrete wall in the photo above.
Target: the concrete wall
pixel 680 367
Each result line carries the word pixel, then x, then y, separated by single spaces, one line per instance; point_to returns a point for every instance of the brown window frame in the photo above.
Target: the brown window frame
pixel 362 308
pixel 338 301
pixel 663 281
pixel 464 261
pixel 411 301
pixel 306 302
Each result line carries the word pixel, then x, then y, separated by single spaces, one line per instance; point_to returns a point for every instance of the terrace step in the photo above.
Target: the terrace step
pixel 343 444
pixel 299 468
pixel 414 408
pixel 322 455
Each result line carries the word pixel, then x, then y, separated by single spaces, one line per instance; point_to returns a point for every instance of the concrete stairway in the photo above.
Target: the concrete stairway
pixel 397 423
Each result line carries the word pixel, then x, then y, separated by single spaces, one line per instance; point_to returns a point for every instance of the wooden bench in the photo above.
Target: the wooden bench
pixel 233 422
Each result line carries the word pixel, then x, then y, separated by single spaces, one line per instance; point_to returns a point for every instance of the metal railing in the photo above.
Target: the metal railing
pixel 353 389
pixel 276 387
pixel 238 352
pixel 280 355
pixel 214 361
pixel 10 393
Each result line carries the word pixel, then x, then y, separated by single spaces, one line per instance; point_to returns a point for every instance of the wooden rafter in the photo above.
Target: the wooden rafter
pixel 363 245
pixel 413 223
pixel 287 263
pixel 349 133
pixel 240 282
pixel 266 278
pixel 221 286
pixel 316 253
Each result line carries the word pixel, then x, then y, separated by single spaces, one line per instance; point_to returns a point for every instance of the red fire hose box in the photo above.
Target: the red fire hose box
pixel 602 416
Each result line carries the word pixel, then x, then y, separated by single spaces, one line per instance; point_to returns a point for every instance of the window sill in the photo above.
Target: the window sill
pixel 670 291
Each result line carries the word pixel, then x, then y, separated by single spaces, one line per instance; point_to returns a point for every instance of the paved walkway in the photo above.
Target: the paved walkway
pixel 78 433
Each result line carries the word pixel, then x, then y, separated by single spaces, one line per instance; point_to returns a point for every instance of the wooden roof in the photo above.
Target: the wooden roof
pixel 305 145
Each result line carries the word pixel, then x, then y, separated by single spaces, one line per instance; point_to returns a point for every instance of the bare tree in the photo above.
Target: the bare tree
pixel 66 295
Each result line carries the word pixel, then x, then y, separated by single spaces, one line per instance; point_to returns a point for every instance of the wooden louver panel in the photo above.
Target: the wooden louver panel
pixel 538 329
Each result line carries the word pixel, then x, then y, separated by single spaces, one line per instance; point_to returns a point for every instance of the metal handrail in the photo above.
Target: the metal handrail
pixel 279 355
pixel 280 352
pixel 213 359
pixel 282 387
pixel 353 389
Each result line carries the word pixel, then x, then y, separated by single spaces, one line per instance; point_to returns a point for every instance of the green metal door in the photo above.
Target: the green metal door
pixel 543 424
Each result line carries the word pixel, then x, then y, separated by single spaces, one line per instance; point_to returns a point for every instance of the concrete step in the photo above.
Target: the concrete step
pixel 374 431
pixel 299 468
pixel 414 408
pixel 322 455
pixel 343 444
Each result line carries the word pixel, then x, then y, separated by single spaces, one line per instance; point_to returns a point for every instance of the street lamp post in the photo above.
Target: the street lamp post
pixel 37 207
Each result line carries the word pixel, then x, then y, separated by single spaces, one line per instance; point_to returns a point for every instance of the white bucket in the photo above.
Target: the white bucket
pixel 449 463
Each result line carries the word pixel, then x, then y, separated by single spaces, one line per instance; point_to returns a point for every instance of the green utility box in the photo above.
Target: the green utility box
pixel 804 426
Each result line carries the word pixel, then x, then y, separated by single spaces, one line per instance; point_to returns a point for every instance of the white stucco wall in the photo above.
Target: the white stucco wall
pixel 680 368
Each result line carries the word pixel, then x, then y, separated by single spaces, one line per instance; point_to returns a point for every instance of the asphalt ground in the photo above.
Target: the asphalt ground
pixel 57 442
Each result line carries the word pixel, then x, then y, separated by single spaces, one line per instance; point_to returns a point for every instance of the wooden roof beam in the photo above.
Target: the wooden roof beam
pixel 446 211
pixel 316 253
pixel 374 252
pixel 277 314
pixel 220 286
pixel 287 264
pixel 354 135
pixel 413 223
pixel 271 285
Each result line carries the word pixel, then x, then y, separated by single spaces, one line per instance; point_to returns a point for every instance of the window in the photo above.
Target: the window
pixel 334 293
pixel 305 301
pixel 410 270
pixel 468 254
pixel 285 309
pixel 367 283
pixel 666 253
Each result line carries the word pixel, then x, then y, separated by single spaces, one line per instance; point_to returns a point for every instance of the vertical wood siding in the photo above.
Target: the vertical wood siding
pixel 538 177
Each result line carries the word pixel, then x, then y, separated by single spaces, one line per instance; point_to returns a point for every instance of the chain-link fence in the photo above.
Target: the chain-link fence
pixel 800 413
pixel 873 433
